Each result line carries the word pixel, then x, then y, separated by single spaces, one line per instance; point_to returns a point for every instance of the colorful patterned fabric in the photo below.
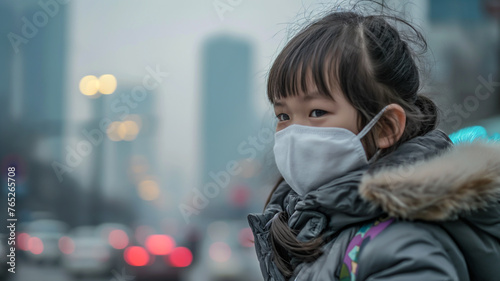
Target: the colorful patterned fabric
pixel 363 236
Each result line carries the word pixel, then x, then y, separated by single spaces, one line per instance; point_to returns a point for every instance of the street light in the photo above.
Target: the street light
pixel 105 84
pixel 93 87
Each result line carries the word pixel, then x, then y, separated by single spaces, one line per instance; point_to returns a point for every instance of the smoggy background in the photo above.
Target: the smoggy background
pixel 141 135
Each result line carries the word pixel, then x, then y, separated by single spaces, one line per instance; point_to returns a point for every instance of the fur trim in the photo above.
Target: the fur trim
pixel 466 177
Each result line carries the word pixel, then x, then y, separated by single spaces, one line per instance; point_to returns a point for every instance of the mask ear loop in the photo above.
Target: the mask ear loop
pixel 367 128
pixel 375 156
pixel 372 123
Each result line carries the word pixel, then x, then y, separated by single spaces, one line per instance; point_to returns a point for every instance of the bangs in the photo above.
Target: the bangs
pixel 307 62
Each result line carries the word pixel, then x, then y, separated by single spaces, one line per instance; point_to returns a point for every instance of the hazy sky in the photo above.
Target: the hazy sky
pixel 124 37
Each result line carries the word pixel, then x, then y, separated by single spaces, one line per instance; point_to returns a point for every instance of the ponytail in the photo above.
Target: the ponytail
pixel 285 244
pixel 429 114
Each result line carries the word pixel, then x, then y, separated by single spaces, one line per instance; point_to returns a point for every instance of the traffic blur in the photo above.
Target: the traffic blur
pixel 110 251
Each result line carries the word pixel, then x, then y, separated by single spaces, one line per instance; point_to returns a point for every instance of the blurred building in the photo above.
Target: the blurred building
pixel 33 66
pixel 228 120
pixel 128 157
pixel 464 38
pixel 6 65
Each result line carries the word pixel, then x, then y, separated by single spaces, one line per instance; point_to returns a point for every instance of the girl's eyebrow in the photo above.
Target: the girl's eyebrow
pixel 278 104
pixel 316 94
pixel 310 96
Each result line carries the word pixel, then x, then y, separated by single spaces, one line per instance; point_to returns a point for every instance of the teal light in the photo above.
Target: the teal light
pixel 470 134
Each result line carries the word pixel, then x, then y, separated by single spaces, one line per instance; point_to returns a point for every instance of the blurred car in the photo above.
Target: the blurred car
pixel 162 254
pixel 227 253
pixel 43 242
pixel 86 253
pixel 118 237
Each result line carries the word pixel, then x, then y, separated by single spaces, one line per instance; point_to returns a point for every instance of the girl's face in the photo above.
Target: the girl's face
pixel 312 109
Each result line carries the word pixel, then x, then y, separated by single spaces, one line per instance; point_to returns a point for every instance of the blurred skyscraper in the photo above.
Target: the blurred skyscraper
pixel 33 56
pixel 129 157
pixel 464 43
pixel 228 118
pixel 455 10
pixel 6 61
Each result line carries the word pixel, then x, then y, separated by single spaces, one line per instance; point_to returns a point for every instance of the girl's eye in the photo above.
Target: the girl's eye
pixel 282 117
pixel 317 113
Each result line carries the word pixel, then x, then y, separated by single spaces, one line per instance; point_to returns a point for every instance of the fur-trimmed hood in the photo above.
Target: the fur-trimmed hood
pixel 460 179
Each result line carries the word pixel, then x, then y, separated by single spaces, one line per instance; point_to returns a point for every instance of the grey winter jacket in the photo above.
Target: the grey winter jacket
pixel 446 201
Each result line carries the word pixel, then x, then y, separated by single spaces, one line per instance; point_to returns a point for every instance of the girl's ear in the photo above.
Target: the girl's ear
pixel 393 131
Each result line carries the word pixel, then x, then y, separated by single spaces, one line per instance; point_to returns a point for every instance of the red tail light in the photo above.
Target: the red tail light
pixel 180 257
pixel 136 256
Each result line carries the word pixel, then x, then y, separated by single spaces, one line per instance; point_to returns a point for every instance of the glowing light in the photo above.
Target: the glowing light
pixel 240 195
pixel 246 237
pixel 121 130
pixel 218 230
pixel 160 244
pixel 112 131
pixel 89 85
pixel 180 257
pixel 22 241
pixel 149 190
pixel 107 84
pixel 128 130
pixel 136 256
pixel 66 245
pixel 35 245
pixel 220 252
pixel 118 239
pixel 471 134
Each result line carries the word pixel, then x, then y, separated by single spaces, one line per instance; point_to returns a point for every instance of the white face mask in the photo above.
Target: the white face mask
pixel 308 157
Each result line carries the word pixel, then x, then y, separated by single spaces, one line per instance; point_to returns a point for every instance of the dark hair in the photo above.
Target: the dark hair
pixel 373 65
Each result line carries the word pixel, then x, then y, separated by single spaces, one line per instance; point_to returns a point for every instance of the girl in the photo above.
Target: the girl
pixel 370 189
